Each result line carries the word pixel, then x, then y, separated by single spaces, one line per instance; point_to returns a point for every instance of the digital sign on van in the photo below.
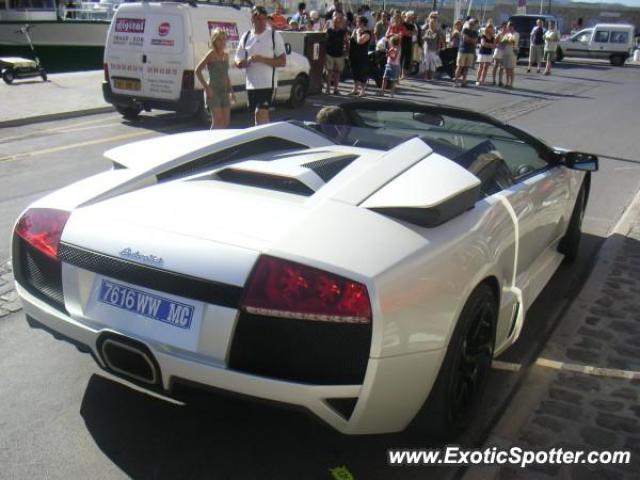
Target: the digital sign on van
pixel 130 25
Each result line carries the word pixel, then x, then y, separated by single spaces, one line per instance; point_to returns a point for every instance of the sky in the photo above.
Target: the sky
pixel 630 3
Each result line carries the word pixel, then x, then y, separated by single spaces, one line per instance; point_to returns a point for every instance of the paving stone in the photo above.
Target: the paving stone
pixel 624 326
pixel 3 312
pixel 565 395
pixel 598 437
pixel 592 320
pixel 549 423
pixel 607 312
pixel 580 472
pixel 587 342
pixel 626 351
pixel 584 383
pixel 6 288
pixel 619 363
pixel 536 439
pixel 618 423
pixel 558 409
pixel 636 410
pixel 608 405
pixel 595 333
pixel 626 393
pixel 547 469
pixel 584 356
pixel 12 306
pixel 633 443
pixel 605 302
pixel 635 341
pixel 9 297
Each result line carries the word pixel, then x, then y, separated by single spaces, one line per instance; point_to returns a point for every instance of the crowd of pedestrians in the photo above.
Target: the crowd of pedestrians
pixel 413 48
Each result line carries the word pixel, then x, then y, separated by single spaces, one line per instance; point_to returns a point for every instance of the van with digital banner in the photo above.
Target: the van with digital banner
pixel 153 48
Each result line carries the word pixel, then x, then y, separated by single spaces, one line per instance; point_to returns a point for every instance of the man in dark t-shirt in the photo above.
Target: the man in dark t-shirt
pixel 466 51
pixel 337 37
pixel 536 47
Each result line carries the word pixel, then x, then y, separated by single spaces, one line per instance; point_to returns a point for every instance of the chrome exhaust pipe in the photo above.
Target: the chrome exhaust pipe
pixel 127 360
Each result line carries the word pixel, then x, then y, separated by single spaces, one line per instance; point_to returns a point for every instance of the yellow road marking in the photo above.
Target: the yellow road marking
pixel 76 145
pixel 588 369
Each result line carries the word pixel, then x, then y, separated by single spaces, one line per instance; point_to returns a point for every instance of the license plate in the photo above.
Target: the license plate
pixel 146 304
pixel 126 84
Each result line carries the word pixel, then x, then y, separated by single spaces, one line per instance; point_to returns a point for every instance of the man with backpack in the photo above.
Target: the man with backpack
pixel 261 51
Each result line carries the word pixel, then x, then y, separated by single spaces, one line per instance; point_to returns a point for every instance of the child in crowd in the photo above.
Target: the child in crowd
pixel 392 68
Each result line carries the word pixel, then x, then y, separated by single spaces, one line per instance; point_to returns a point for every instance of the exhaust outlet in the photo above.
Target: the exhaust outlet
pixel 125 358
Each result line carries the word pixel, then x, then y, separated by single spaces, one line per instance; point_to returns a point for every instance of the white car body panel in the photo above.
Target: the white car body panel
pixel 418 278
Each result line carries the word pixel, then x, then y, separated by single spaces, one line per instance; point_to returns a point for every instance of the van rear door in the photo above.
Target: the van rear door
pixel 123 52
pixel 165 56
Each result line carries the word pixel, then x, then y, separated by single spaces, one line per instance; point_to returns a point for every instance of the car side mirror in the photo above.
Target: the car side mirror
pixel 287 48
pixel 581 161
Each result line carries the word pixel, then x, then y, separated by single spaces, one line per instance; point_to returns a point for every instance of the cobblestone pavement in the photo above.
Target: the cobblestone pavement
pixel 583 392
pixel 9 302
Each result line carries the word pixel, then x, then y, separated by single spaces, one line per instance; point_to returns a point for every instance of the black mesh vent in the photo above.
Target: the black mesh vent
pixel 328 168
pixel 150 277
pixel 267 181
pixel 344 406
pixel 237 152
pixel 39 274
pixel 303 351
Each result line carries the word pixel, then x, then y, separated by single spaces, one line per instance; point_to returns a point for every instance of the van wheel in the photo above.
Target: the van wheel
pixel 129 113
pixel 298 92
pixel 8 76
pixel 456 394
pixel 559 55
pixel 617 60
pixel 43 74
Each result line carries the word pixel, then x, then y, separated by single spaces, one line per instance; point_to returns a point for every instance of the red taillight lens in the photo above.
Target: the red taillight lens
pixel 188 80
pixel 42 229
pixel 106 72
pixel 287 289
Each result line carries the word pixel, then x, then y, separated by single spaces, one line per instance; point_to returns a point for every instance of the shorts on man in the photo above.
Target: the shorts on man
pixel 536 54
pixel 334 64
pixel 465 60
pixel 260 98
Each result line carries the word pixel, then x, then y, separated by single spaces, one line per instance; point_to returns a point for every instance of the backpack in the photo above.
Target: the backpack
pixel 243 42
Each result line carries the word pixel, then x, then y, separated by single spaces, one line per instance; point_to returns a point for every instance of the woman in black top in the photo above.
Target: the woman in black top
pixel 359 56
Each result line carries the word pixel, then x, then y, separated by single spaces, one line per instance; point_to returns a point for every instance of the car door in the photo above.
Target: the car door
pixel 600 45
pixel 578 45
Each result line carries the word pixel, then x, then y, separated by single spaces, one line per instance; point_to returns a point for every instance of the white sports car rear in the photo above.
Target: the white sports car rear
pixel 366 272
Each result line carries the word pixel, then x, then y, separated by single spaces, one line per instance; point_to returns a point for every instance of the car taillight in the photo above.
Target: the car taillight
pixel 188 80
pixel 106 72
pixel 42 229
pixel 280 288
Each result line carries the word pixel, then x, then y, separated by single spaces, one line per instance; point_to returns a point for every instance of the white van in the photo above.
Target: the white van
pixel 153 48
pixel 609 41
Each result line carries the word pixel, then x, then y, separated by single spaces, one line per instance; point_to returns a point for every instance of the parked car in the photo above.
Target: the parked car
pixel 153 48
pixel 367 272
pixel 523 24
pixel 610 41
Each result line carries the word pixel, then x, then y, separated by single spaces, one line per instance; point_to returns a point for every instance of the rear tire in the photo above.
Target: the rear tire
pixel 298 92
pixel 43 74
pixel 570 243
pixel 129 113
pixel 617 60
pixel 8 76
pixel 456 394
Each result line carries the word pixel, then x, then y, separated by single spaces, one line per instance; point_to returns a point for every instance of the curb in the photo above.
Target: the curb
pixel 17 122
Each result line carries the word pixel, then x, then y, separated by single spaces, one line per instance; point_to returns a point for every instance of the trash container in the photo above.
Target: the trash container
pixel 312 45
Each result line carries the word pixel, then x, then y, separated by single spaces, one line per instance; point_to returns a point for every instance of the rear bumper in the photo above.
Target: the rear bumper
pixel 393 390
pixel 189 101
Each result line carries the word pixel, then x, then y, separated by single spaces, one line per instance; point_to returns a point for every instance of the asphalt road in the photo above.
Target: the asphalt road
pixel 62 417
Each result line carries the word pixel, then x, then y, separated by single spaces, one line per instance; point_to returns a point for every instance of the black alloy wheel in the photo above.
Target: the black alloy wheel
pixel 8 76
pixel 455 396
pixel 472 365
pixel 298 92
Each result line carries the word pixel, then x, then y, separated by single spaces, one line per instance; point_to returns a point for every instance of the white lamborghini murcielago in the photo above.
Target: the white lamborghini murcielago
pixel 367 272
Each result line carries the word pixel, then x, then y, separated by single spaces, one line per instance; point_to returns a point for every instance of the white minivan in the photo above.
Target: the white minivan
pixel 608 41
pixel 153 48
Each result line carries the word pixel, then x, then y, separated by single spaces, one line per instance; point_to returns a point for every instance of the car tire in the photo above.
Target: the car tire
pixel 457 391
pixel 43 74
pixel 570 243
pixel 617 60
pixel 559 54
pixel 298 93
pixel 129 113
pixel 8 76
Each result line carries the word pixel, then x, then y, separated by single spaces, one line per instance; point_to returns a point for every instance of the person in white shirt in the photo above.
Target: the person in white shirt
pixel 261 51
